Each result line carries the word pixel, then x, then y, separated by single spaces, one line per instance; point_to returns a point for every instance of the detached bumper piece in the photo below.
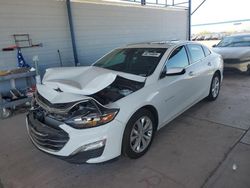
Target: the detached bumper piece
pixel 45 136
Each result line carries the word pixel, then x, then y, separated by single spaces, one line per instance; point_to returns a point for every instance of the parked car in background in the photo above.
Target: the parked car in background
pixel 200 37
pixel 235 50
pixel 96 113
pixel 193 37
pixel 208 37
pixel 216 36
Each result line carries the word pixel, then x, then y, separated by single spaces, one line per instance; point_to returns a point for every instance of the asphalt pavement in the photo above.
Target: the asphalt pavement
pixel 207 146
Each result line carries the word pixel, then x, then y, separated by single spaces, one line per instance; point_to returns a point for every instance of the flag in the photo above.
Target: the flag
pixel 20 59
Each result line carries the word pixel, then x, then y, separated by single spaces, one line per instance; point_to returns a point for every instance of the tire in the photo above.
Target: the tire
pixel 248 70
pixel 5 113
pixel 214 87
pixel 135 141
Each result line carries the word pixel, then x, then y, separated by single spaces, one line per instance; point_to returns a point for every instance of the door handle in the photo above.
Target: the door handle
pixel 191 73
pixel 209 64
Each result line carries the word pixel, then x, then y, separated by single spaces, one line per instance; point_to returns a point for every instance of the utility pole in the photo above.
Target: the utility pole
pixel 189 19
pixel 72 32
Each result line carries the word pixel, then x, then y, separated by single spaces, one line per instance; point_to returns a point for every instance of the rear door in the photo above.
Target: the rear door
pixel 200 69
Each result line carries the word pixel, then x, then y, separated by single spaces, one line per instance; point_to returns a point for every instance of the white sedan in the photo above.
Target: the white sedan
pixel 96 113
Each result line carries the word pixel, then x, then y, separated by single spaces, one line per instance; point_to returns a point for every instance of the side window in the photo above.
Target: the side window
pixel 178 58
pixel 196 52
pixel 206 51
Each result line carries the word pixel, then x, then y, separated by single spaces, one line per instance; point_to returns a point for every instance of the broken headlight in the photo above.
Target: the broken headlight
pixel 90 114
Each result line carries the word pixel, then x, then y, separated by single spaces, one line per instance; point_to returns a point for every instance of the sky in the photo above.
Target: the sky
pixel 219 11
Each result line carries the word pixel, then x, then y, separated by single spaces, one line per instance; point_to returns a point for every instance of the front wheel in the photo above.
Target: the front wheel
pixel 214 87
pixel 138 134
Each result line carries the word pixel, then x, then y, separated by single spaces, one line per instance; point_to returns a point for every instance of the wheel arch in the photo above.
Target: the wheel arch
pixel 148 108
pixel 154 112
pixel 219 73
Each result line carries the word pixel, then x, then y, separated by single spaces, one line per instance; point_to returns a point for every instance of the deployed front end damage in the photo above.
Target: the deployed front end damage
pixel 45 128
pixel 120 88
pixel 64 110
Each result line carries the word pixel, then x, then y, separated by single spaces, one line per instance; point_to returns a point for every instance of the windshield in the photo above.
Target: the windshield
pixel 235 41
pixel 138 61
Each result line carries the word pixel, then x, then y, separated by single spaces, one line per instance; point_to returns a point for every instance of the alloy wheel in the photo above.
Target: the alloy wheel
pixel 215 86
pixel 141 134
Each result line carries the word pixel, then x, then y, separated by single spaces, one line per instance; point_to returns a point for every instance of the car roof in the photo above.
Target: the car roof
pixel 159 44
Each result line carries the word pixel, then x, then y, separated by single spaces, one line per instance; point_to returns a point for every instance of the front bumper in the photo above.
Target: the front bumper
pixel 242 66
pixel 66 142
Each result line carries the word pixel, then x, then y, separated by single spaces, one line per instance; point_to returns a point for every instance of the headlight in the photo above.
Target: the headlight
pixel 89 114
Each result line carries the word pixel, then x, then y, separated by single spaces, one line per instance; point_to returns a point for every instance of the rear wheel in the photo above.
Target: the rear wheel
pixel 214 87
pixel 139 134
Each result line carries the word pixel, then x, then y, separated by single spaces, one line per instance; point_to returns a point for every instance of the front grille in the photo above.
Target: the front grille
pixel 45 136
pixel 232 61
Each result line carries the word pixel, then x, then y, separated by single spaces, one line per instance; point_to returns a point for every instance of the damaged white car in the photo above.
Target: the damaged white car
pixel 96 113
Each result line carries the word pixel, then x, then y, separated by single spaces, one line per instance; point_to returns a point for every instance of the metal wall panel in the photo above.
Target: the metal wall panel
pixel 45 21
pixel 102 27
pixel 98 28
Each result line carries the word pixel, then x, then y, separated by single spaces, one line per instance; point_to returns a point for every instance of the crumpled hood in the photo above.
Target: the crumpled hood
pixel 233 52
pixel 73 82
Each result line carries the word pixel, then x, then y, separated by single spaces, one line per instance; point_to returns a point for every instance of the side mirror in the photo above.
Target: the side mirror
pixel 172 71
pixel 214 45
pixel 175 71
